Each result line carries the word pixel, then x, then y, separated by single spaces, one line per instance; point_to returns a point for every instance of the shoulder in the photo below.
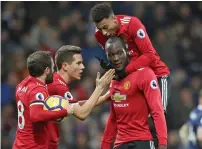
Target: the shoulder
pixel 134 21
pixel 136 27
pixel 124 20
pixel 144 72
pixel 58 81
pixel 147 76
pixel 37 88
pixel 57 86
pixel 31 90
pixel 28 85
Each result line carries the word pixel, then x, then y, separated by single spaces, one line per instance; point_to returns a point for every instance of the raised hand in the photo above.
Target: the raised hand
pixel 105 79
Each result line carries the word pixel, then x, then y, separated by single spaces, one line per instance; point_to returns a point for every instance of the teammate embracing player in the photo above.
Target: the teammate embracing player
pixel 139 47
pixel 138 44
pixel 132 99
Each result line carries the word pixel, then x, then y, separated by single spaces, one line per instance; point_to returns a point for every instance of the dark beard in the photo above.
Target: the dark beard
pixel 49 78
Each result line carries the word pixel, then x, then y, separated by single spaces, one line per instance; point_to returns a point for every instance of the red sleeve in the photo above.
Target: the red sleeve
pixel 101 39
pixel 110 131
pixel 151 90
pixel 64 92
pixel 141 39
pixel 38 94
pixel 37 114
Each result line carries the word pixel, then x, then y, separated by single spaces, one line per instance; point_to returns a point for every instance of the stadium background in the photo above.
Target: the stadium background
pixel 174 27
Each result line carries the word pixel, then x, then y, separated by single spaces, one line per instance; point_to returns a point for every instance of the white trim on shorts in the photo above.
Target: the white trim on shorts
pixel 151 143
pixel 164 91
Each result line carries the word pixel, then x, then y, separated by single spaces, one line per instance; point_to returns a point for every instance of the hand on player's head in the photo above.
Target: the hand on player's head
pixel 105 79
pixel 104 64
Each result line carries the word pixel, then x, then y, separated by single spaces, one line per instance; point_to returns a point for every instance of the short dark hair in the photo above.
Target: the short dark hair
pixel 113 40
pixel 101 11
pixel 65 54
pixel 37 62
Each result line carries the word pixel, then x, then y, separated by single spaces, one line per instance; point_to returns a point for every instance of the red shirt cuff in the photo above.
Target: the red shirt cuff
pixel 163 141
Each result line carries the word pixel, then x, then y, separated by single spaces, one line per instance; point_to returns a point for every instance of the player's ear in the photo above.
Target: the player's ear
pixel 47 70
pixel 65 66
pixel 114 18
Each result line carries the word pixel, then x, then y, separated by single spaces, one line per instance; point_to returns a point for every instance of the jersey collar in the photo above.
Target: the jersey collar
pixel 37 81
pixel 59 77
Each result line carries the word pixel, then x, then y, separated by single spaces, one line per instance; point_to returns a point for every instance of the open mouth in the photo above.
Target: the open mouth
pixel 80 74
pixel 117 65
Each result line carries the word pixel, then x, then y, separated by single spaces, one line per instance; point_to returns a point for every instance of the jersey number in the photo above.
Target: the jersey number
pixel 21 118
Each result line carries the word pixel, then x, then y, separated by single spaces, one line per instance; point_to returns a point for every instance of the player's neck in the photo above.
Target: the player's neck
pixel 64 76
pixel 41 79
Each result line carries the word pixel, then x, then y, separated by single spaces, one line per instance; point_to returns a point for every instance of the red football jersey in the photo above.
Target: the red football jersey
pixel 139 46
pixel 133 98
pixel 58 87
pixel 30 135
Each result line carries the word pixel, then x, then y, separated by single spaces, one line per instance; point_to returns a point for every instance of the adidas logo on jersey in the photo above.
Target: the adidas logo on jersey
pixel 61 82
pixel 125 20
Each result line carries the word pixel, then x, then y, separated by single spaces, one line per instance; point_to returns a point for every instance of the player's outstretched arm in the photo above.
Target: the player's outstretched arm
pixel 82 112
pixel 103 99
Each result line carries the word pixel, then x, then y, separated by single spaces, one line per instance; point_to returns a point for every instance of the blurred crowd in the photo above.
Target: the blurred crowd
pixel 175 29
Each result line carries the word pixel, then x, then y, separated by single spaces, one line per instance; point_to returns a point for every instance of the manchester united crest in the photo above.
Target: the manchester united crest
pixel 126 85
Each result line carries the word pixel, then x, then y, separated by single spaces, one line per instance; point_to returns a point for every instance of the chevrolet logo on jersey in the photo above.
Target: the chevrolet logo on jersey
pixel 118 97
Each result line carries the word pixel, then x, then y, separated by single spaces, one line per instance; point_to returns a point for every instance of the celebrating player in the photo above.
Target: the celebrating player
pixel 70 66
pixel 30 96
pixel 191 132
pixel 133 99
pixel 139 46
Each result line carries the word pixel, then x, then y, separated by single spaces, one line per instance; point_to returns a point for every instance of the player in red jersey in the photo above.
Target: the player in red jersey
pixel 70 66
pixel 139 46
pixel 30 95
pixel 133 99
